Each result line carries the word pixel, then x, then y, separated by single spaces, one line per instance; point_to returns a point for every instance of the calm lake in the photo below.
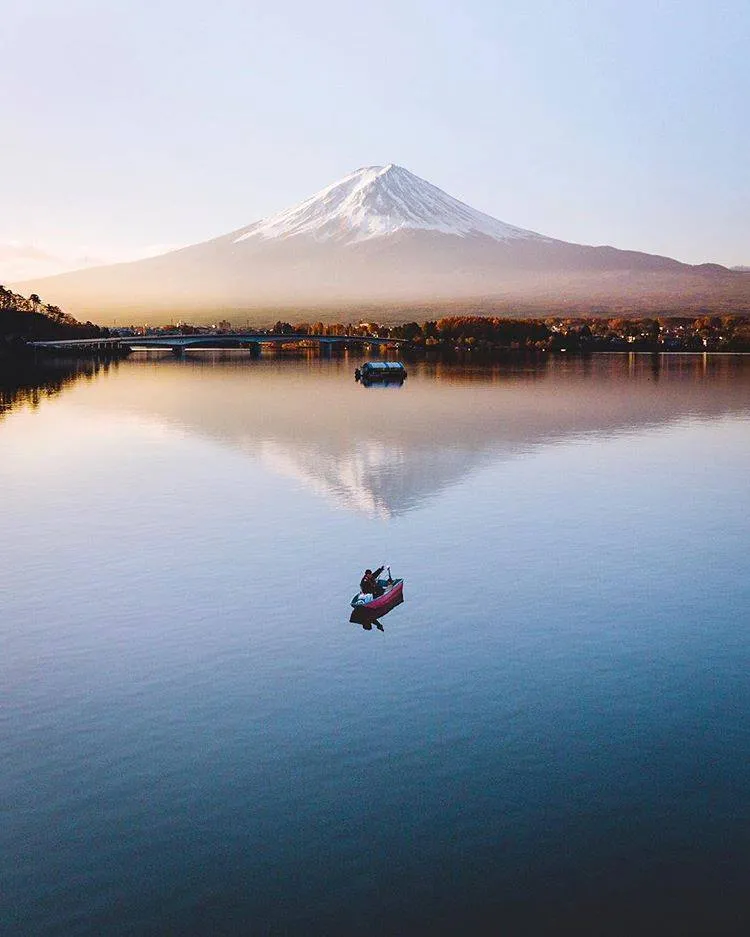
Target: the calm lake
pixel 550 735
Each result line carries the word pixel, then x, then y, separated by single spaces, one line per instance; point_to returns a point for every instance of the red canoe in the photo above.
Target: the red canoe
pixel 393 596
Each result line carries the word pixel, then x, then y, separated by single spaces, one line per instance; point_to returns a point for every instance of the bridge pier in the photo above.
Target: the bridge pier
pixel 178 351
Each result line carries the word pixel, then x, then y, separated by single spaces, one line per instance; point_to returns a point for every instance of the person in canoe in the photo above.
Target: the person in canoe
pixel 369 584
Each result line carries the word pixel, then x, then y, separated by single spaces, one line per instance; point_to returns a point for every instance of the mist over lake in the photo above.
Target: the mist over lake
pixel 550 735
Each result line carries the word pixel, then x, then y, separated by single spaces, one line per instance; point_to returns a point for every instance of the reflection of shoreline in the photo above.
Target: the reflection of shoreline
pixel 614 364
pixel 26 384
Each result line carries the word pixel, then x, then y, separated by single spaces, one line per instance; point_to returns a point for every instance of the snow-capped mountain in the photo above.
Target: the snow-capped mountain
pixel 383 237
pixel 378 201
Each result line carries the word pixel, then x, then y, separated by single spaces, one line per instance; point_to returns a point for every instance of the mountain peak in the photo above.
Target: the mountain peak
pixel 376 201
pixel 376 172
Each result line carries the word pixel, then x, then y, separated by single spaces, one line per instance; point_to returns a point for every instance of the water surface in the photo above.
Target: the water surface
pixel 550 734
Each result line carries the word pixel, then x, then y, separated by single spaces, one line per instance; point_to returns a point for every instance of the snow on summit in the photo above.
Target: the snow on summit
pixel 378 201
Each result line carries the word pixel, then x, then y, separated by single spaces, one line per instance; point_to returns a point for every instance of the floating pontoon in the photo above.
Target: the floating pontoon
pixel 385 372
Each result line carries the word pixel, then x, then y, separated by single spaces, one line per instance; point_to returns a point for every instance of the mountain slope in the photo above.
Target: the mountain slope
pixel 383 236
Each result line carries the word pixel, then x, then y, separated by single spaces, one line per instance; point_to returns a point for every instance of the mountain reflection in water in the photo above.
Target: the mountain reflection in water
pixel 384 453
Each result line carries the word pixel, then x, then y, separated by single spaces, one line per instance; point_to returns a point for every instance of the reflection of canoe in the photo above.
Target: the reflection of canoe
pixel 372 607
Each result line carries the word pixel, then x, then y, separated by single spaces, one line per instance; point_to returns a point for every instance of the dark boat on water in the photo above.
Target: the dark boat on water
pixel 381 372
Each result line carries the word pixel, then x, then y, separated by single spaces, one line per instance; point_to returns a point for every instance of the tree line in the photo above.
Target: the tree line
pixel 551 334
pixel 28 318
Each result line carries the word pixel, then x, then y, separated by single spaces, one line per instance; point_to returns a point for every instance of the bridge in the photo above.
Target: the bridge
pixel 91 345
pixel 179 344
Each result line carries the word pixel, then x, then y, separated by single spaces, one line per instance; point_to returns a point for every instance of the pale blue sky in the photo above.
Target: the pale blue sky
pixel 133 124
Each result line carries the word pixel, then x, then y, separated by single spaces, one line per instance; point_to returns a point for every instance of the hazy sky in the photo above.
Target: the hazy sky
pixel 132 126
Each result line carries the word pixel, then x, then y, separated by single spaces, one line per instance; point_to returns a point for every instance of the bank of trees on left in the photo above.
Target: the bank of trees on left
pixel 25 319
